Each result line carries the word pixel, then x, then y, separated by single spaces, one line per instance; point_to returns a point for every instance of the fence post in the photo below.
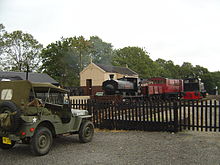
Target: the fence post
pixel 175 109
pixel 88 106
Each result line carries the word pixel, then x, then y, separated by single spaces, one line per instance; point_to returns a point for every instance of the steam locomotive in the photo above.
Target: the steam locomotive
pixel 155 88
pixel 124 86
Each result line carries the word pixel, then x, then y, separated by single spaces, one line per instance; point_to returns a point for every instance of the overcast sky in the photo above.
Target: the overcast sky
pixel 177 30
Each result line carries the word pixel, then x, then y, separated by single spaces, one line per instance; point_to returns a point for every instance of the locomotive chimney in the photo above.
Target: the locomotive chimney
pixel 111 76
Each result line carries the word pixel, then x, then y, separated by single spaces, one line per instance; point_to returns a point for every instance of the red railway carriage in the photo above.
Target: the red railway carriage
pixel 165 88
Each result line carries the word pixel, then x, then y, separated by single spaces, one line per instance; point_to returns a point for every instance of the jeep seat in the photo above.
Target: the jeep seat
pixel 59 110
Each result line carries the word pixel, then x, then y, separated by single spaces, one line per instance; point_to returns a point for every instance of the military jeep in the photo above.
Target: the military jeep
pixel 35 113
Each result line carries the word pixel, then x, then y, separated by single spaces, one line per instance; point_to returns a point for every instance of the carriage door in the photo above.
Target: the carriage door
pixel 89 86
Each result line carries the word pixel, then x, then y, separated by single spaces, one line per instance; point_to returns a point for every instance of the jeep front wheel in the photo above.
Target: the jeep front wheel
pixel 86 131
pixel 42 141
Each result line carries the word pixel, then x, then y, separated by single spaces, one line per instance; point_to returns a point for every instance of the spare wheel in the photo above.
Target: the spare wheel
pixel 8 107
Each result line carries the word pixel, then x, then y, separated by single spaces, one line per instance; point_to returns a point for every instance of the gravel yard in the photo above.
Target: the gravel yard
pixel 124 147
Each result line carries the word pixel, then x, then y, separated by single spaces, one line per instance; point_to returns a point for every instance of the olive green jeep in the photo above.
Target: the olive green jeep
pixel 34 113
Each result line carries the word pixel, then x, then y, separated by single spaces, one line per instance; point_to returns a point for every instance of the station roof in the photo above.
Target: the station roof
pixel 32 77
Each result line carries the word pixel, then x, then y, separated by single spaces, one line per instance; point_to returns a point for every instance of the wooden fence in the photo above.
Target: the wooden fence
pixel 199 115
pixel 153 116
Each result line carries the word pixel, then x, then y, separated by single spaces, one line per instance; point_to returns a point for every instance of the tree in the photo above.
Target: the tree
pixel 81 47
pixel 20 50
pixel 199 71
pixel 167 69
pixel 56 59
pixel 186 70
pixel 136 59
pixel 2 32
pixel 100 51
pixel 65 59
pixel 211 81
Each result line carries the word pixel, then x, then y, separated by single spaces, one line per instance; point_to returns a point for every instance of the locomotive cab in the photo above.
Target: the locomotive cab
pixel 193 89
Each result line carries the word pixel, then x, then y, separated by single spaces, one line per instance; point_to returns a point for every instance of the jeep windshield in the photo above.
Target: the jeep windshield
pixel 50 94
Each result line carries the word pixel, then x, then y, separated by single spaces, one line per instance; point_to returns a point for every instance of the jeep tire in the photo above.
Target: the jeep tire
pixel 42 141
pixel 86 131
pixel 10 107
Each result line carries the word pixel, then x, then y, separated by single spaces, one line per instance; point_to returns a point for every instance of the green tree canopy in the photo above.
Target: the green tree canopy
pixel 2 32
pixel 199 71
pixel 211 81
pixel 61 61
pixel 137 59
pixel 65 59
pixel 19 50
pixel 80 47
pixel 186 70
pixel 100 51
pixel 168 69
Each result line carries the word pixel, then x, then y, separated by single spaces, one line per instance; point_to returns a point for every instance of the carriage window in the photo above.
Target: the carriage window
pixel 171 82
pixel 158 81
pixel 6 94
pixel 176 83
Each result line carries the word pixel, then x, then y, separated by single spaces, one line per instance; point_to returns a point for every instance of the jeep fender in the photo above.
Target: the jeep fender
pixel 49 125
pixel 79 120
pixel 32 123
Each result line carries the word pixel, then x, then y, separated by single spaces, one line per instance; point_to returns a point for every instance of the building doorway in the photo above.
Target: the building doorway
pixel 89 87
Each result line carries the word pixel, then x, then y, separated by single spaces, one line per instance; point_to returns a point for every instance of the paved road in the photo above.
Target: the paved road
pixel 131 147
